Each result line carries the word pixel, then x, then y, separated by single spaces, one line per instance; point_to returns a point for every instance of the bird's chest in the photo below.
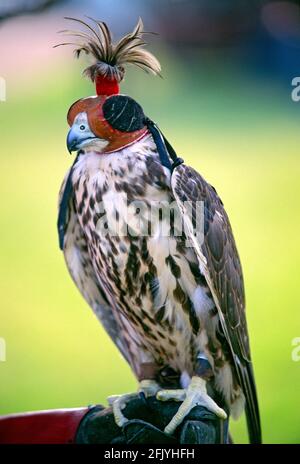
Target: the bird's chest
pixel 124 210
pixel 123 206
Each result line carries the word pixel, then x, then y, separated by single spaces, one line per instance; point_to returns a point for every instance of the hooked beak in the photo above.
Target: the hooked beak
pixel 76 140
pixel 72 141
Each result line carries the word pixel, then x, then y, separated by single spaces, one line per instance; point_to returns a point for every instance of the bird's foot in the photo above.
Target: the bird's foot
pixel 194 395
pixel 118 402
pixel 149 388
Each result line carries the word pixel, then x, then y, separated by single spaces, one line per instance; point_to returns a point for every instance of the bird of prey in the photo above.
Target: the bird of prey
pixel 170 296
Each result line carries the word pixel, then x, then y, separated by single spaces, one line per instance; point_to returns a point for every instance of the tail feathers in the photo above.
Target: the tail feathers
pixel 246 377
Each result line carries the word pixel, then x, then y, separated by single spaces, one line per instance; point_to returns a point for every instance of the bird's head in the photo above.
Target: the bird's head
pixel 105 124
pixel 108 121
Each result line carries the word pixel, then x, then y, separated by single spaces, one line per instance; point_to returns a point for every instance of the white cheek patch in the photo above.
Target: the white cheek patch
pixel 91 143
pixel 95 145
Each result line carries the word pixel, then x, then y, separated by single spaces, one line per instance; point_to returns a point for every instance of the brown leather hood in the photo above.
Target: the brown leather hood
pixel 93 106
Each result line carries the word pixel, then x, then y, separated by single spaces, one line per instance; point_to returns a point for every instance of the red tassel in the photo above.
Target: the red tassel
pixel 106 86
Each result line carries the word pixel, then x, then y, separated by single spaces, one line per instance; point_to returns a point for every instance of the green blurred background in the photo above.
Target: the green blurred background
pixel 225 104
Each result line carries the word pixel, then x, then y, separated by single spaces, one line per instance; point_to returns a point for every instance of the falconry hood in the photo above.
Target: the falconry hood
pixel 117 119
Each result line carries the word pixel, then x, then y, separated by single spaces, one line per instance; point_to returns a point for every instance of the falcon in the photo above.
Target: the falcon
pixel 149 245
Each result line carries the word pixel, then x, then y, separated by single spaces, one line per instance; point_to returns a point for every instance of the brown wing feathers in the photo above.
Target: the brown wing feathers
pixel 226 278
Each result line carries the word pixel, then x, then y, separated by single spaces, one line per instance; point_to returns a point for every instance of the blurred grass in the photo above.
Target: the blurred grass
pixel 243 136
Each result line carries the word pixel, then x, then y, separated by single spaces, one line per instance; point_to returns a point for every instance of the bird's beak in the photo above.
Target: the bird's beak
pixel 73 140
pixel 78 139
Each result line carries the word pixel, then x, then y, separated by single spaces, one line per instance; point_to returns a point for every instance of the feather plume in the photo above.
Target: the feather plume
pixel 111 58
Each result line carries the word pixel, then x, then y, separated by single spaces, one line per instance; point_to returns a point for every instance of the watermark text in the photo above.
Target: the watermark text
pixel 2 350
pixel 2 89
pixel 296 349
